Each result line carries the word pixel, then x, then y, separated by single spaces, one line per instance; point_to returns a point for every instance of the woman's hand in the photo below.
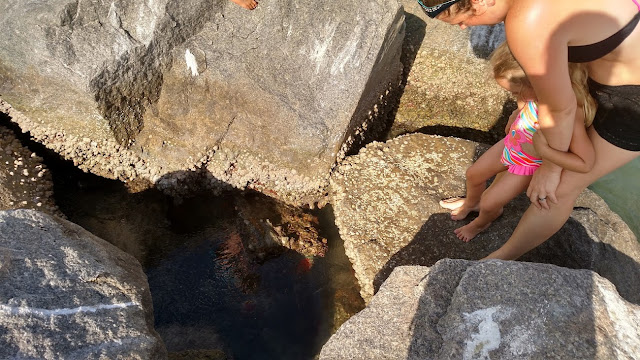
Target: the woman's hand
pixel 543 185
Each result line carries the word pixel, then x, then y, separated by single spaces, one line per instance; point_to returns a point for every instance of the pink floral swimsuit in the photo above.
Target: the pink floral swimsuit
pixel 521 132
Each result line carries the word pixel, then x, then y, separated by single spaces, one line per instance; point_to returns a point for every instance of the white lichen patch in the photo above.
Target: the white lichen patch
pixel 488 336
pixel 347 53
pixel 319 49
pixel 192 64
pixel 523 340
pixel 26 310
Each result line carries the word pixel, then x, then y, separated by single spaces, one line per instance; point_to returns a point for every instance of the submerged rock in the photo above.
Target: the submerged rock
pixel 386 206
pixel 460 309
pixel 176 92
pixel 68 294
pixel 272 227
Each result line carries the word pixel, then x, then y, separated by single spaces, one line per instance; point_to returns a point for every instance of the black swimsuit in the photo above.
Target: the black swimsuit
pixel 617 119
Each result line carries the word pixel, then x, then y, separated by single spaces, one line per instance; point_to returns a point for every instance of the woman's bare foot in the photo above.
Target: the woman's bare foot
pixel 469 231
pixel 247 4
pixel 458 206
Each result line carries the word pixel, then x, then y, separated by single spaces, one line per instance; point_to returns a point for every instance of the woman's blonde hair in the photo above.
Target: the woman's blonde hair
pixel 506 66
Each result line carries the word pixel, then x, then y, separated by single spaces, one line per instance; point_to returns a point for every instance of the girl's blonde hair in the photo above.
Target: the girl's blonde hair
pixel 506 66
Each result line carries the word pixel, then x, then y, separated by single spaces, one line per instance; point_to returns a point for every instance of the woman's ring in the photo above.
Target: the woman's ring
pixel 542 198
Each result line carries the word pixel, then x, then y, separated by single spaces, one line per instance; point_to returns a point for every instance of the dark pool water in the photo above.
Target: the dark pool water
pixel 210 292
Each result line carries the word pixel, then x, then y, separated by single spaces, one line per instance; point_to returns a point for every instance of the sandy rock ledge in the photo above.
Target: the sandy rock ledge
pixel 386 207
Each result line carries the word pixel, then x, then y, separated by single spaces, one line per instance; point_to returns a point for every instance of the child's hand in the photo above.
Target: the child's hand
pixel 512 118
pixel 539 141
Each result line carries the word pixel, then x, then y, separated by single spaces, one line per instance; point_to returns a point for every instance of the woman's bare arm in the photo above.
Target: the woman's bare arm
pixel 545 63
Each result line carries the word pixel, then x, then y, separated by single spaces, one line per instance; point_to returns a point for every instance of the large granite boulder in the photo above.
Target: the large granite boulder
pixel 448 84
pixel 386 206
pixel 25 181
pixel 178 91
pixel 66 294
pixel 460 309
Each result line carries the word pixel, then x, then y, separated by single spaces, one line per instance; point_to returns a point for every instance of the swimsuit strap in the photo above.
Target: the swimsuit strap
pixel 590 52
pixel 637 4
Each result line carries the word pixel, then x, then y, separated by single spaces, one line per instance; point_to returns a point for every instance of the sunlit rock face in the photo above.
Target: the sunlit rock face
pixel 66 293
pixel 173 91
pixel 459 309
pixel 386 201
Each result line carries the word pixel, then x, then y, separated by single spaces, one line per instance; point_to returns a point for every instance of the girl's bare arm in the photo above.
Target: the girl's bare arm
pixel 580 157
pixel 512 118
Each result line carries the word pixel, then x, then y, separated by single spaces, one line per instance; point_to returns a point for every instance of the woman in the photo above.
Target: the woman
pixel 543 36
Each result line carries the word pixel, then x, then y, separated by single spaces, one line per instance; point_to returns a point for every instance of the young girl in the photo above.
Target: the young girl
pixel 517 153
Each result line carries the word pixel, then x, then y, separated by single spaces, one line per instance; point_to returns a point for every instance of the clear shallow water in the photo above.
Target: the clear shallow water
pixel 621 191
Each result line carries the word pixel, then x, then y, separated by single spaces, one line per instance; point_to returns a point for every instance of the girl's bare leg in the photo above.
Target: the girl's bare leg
pixel 504 188
pixel 536 226
pixel 477 175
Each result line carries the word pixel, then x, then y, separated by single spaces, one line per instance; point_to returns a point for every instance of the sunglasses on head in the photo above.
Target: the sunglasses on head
pixel 433 11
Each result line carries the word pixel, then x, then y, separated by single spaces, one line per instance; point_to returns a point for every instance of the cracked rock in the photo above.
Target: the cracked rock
pixel 459 309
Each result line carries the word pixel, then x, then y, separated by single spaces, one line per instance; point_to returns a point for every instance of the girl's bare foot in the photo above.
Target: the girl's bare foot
pixel 458 206
pixel 452 203
pixel 469 231
pixel 247 4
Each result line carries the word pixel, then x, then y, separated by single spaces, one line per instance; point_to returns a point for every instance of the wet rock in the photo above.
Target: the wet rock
pixel 386 206
pixel 273 226
pixel 25 182
pixel 68 294
pixel 137 89
pixel 460 309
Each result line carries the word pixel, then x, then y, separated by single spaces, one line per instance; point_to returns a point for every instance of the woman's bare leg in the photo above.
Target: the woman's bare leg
pixel 536 226
pixel 504 188
pixel 477 175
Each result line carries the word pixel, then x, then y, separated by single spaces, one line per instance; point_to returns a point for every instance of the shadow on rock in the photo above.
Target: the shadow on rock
pixel 573 247
pixel 384 116
pixel 415 32
pixel 492 136
pixel 518 310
